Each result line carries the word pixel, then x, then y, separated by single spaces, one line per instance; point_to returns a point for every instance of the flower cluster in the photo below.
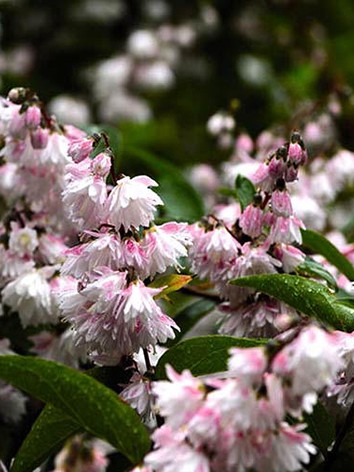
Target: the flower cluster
pixel 258 240
pixel 34 232
pixel 239 420
pixel 102 292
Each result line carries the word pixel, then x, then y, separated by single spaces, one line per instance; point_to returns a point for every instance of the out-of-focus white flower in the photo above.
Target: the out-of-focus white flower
pixel 70 110
pixel 121 106
pixel 309 212
pixel 29 295
pixel 143 44
pixel 219 123
pixel 110 75
pixel 156 75
pixel 23 241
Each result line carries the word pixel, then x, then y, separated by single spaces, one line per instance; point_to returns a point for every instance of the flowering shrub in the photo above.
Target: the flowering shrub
pixel 161 338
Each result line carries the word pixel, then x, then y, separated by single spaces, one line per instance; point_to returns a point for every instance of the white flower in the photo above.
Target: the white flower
pixel 23 241
pixel 143 44
pixel 308 364
pixel 131 203
pixel 164 245
pixel 180 397
pixel 30 296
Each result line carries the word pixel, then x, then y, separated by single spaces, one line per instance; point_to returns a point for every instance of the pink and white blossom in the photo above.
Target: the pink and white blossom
pixel 132 203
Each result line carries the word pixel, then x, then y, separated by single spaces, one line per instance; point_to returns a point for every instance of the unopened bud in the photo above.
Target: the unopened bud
pixel 80 149
pixel 33 117
pixel 18 95
pixel 101 164
pixel 39 138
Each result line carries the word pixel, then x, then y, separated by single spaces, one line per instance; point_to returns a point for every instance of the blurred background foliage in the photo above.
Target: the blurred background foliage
pixel 268 62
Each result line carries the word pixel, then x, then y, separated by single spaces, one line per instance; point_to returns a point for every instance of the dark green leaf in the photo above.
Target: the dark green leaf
pixel 202 355
pixel 311 298
pixel 343 459
pixel 320 245
pixel 314 269
pixel 245 191
pixel 182 201
pixel 228 192
pixel 89 403
pixel 53 426
pixel 320 427
pixel 178 302
pixel 47 435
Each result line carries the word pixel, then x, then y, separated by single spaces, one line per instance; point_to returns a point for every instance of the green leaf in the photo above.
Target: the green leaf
pixel 172 282
pixel 47 435
pixel 321 427
pixel 314 269
pixel 182 202
pixel 53 427
pixel 89 403
pixel 202 355
pixel 311 298
pixel 320 245
pixel 245 191
pixel 228 192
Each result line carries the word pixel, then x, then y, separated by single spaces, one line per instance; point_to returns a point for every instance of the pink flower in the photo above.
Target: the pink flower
pixel 141 318
pixel 281 203
pixel 51 248
pixel 213 252
pixel 248 365
pixel 33 117
pixel 308 364
pixel 290 449
pixel 139 396
pixel 85 192
pixel 133 254
pixel 251 221
pixel 297 155
pixel 179 398
pixel 264 179
pixel 290 256
pixel 173 454
pixel 286 230
pixel 164 245
pixel 80 149
pixel 131 203
pixel 39 138
pixel 104 250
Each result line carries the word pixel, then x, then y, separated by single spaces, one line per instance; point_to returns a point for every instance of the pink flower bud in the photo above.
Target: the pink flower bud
pixel 276 168
pixel 291 173
pixel 80 149
pixel 33 117
pixel 39 138
pixel 17 127
pixel 281 203
pixel 251 221
pixel 101 164
pixel 296 154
